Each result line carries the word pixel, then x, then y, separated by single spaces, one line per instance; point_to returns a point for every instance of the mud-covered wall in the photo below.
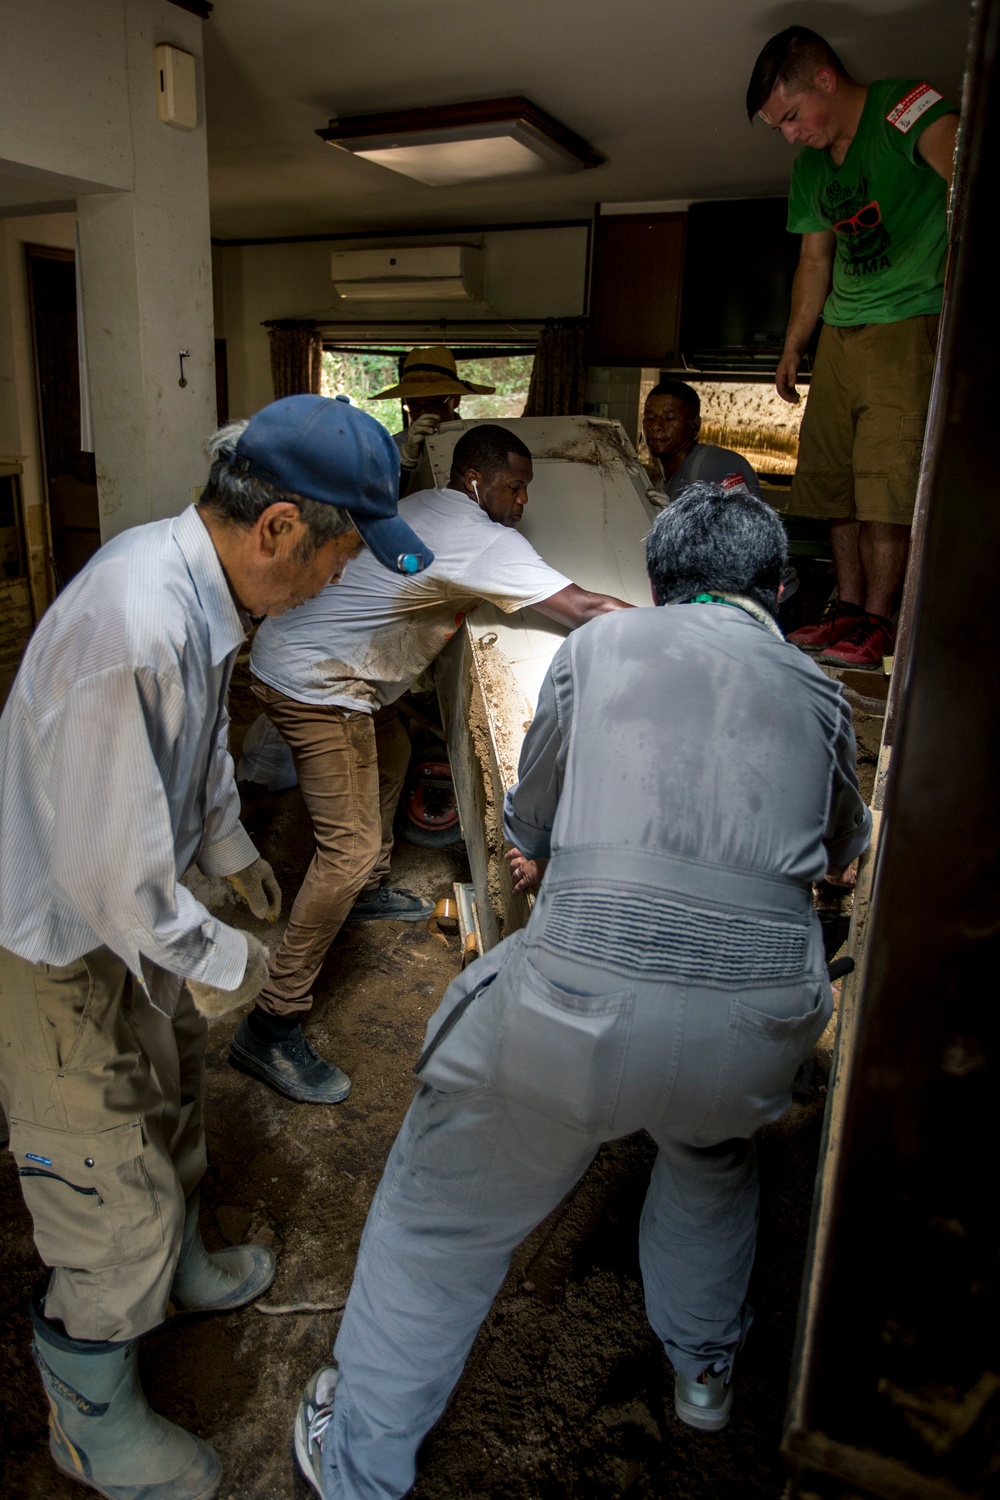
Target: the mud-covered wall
pixel 747 416
pixel 496 725
pixel 752 419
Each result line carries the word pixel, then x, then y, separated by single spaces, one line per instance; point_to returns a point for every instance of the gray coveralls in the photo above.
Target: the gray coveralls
pixel 691 775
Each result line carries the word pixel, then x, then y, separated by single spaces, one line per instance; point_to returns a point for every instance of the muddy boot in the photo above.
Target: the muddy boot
pixel 273 1049
pixel 388 903
pixel 101 1431
pixel 219 1282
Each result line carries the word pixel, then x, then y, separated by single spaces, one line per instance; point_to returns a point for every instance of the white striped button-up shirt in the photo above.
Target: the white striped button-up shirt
pixel 115 774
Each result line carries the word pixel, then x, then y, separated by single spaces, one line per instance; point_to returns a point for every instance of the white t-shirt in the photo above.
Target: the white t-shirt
pixel 362 642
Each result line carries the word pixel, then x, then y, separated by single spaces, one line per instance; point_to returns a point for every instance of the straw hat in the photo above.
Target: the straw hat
pixel 432 372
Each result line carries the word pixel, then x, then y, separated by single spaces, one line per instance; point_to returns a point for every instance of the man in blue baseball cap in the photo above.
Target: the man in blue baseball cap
pixel 334 453
pixel 115 778
pixel 329 676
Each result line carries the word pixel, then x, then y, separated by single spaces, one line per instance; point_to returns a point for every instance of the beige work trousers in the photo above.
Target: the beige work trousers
pixel 351 768
pixel 104 1096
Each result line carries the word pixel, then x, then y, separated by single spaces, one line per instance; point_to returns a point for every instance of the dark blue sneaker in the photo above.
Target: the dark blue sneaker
pixel 290 1066
pixel 387 903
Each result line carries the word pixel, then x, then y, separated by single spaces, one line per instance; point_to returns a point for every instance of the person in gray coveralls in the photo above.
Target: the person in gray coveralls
pixel 687 776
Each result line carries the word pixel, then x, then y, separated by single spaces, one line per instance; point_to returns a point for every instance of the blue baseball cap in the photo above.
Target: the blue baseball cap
pixel 333 452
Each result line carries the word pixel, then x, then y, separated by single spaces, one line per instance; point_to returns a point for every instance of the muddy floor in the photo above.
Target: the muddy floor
pixel 566 1395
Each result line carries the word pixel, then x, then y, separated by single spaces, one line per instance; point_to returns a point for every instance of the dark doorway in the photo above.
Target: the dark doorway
pixel 70 479
pixel 221 382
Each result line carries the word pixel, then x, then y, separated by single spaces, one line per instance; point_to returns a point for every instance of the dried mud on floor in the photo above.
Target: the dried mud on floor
pixel 566 1395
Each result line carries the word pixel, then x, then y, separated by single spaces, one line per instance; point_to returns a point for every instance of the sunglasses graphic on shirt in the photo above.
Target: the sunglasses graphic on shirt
pixel 865 218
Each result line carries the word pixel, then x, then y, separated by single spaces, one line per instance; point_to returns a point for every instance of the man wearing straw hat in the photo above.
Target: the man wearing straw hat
pixel 430 390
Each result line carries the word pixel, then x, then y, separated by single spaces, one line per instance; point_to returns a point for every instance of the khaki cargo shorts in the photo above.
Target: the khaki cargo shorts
pixel 863 429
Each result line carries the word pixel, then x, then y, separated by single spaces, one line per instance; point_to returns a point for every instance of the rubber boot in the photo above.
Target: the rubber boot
pixel 219 1282
pixel 101 1430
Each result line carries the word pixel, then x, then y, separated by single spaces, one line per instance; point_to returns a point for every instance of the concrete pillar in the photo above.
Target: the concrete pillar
pixel 145 258
pixel 78 115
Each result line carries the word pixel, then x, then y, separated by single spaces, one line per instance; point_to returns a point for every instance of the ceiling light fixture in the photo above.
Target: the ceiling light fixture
pixel 464 142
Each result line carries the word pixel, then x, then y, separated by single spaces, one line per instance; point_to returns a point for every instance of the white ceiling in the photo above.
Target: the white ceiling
pixel 657 86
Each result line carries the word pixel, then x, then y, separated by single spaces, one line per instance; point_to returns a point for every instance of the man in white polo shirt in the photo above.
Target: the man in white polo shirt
pixel 328 675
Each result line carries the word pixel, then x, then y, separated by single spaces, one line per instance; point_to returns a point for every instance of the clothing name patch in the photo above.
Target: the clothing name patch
pixel 917 102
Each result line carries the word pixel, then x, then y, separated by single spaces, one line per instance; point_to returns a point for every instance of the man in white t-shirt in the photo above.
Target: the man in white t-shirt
pixel 328 675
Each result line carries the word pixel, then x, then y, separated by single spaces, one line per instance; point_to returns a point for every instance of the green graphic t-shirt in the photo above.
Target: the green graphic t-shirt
pixel 886 206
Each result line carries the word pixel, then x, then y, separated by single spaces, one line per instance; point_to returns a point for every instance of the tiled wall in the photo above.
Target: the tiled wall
pixel 613 392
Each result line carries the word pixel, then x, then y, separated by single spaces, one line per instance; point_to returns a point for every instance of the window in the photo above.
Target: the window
pixel 359 371
pixel 747 416
pixel 751 418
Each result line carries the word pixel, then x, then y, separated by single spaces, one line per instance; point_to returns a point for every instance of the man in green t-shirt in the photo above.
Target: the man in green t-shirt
pixel 869 196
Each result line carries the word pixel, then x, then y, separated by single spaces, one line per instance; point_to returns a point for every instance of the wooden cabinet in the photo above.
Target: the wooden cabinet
pixel 636 299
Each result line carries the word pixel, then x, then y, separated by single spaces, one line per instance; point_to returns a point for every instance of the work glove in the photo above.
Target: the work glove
pixel 213 1002
pixel 259 888
pixel 656 496
pixel 416 435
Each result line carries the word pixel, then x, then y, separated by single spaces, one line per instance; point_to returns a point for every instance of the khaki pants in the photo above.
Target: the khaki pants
pixel 351 768
pixel 863 428
pixel 104 1095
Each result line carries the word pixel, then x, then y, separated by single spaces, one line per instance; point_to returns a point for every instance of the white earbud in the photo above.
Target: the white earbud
pixel 475 486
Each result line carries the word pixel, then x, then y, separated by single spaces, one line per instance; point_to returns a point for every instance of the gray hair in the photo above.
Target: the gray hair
pixel 712 540
pixel 241 499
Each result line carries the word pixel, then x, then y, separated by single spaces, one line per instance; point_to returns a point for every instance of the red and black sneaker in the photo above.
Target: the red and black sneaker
pixel 838 620
pixel 864 647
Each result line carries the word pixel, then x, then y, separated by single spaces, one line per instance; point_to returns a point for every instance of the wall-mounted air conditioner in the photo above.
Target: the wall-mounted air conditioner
pixel 420 273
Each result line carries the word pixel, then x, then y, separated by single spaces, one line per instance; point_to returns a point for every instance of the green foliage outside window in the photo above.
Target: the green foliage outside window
pixel 360 375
